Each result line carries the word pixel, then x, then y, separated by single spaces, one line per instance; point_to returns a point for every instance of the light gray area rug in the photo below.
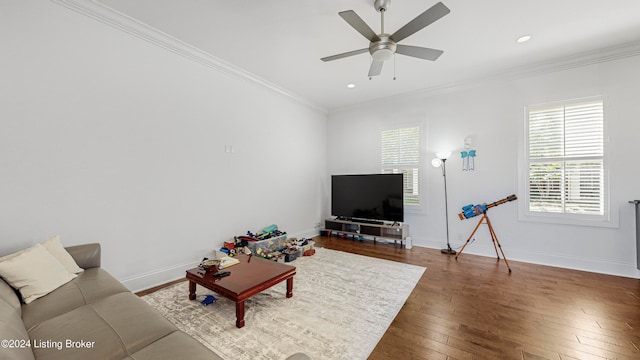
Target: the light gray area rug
pixel 342 304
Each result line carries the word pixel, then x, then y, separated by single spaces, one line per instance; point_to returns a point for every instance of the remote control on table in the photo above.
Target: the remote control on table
pixel 222 274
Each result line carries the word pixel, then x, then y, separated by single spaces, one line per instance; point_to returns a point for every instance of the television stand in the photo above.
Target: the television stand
pixel 375 230
pixel 365 221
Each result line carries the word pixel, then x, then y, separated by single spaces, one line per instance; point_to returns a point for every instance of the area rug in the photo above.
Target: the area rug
pixel 342 304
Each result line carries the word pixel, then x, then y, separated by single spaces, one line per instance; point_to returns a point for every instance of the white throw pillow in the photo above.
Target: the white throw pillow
pixel 12 255
pixel 34 272
pixel 54 246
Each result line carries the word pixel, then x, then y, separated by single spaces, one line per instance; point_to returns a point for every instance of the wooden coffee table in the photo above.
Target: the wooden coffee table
pixel 250 277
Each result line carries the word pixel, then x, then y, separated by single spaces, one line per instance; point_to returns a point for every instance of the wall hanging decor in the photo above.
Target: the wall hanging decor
pixel 468 156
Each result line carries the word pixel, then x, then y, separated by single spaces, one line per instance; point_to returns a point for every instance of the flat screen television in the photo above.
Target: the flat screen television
pixel 376 197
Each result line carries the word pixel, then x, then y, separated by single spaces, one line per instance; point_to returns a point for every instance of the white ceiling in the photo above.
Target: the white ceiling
pixel 282 41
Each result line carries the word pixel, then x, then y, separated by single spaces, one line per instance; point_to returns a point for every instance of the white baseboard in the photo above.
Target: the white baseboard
pixel 556 260
pixel 306 234
pixel 164 275
pixel 171 273
pixel 157 277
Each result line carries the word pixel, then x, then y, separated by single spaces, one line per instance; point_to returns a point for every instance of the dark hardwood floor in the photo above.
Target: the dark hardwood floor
pixel 473 308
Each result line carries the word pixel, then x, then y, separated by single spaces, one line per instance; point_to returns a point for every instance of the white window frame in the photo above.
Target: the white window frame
pixel 408 207
pixel 525 214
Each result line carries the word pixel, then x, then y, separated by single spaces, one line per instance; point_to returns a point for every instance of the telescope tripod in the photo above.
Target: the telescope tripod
pixel 485 220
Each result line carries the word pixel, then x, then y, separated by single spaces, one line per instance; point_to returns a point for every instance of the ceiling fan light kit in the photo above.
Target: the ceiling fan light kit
pixel 382 50
pixel 383 46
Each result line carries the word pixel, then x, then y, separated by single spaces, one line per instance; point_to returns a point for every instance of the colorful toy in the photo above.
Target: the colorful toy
pixel 267 233
pixel 230 248
pixel 209 299
pixel 270 228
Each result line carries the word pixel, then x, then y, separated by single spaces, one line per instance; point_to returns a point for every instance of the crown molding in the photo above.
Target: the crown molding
pixel 598 56
pixel 109 16
pixel 118 20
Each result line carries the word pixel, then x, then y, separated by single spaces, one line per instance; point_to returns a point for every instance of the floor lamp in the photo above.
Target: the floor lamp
pixel 440 161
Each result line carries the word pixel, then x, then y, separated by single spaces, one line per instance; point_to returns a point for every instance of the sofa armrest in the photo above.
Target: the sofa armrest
pixel 86 256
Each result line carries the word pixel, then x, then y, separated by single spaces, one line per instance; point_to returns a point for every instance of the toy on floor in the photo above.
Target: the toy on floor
pixel 209 299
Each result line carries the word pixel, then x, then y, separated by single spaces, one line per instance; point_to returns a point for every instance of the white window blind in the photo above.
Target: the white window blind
pixel 401 154
pixel 566 159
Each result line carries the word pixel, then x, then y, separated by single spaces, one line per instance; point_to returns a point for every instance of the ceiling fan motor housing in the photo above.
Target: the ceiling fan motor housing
pixel 383 46
pixel 381 5
pixel 383 49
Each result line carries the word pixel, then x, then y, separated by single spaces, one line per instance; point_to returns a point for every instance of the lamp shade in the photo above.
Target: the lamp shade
pixel 443 155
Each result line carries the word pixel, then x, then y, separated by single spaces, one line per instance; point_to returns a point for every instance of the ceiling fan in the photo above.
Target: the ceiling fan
pixel 383 46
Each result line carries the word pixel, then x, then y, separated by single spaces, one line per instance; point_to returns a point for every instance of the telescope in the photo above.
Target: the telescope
pixel 471 210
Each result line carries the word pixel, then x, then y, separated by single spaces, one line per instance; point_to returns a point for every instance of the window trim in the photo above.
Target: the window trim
pixel 422 125
pixel 609 217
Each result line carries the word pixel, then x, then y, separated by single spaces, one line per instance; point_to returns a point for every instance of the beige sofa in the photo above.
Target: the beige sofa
pixel 91 317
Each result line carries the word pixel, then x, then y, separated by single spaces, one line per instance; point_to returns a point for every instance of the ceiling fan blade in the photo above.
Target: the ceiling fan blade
pixel 423 20
pixel 419 52
pixel 376 68
pixel 344 55
pixel 357 23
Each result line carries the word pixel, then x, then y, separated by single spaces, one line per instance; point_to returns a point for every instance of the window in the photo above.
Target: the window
pixel 401 154
pixel 565 155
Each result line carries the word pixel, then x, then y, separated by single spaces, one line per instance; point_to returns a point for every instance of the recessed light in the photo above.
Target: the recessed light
pixel 523 39
pixel 351 86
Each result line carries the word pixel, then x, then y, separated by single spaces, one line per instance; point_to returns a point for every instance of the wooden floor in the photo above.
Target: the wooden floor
pixel 473 308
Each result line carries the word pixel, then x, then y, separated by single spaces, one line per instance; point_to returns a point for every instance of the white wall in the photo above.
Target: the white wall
pixel 492 114
pixel 107 138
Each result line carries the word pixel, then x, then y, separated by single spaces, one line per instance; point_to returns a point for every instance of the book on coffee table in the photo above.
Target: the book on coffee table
pixel 227 261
